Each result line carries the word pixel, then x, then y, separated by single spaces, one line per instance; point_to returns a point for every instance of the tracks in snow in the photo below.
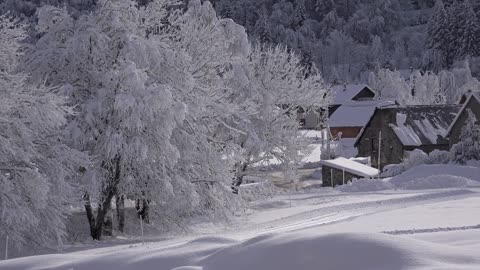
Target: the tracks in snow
pixel 338 213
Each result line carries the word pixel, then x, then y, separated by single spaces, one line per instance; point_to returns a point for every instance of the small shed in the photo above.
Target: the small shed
pixel 472 102
pixel 394 130
pixel 341 170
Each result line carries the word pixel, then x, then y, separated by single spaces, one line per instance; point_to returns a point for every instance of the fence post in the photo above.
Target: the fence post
pixel 331 178
pixel 6 249
pixel 141 229
pixel 343 180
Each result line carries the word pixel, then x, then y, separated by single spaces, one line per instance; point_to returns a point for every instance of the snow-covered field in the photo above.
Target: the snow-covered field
pixel 426 226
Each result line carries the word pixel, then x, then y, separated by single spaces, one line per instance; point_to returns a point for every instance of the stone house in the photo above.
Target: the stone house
pixel 341 170
pixel 471 102
pixel 392 131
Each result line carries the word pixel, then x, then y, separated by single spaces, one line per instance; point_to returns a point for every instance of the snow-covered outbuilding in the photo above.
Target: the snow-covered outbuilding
pixel 472 103
pixel 351 117
pixel 394 130
pixel 341 170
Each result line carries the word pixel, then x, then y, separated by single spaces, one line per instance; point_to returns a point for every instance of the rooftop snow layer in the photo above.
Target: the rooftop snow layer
pixel 344 93
pixel 356 113
pixel 423 125
pixel 351 166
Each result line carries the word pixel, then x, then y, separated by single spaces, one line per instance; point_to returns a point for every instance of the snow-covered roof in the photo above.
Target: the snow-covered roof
pixel 344 93
pixel 423 125
pixel 356 113
pixel 351 166
pixel 419 125
pixel 475 95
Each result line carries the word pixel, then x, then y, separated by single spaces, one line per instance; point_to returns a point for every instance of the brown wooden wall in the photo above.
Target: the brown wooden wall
pixel 347 132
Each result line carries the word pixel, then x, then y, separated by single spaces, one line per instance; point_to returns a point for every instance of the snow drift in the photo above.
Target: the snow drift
pixel 421 177
pixel 306 250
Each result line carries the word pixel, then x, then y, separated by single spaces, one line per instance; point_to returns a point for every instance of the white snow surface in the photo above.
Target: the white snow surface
pixel 356 113
pixel 405 134
pixel 351 166
pixel 387 229
pixel 351 116
pixel 421 178
pixel 345 93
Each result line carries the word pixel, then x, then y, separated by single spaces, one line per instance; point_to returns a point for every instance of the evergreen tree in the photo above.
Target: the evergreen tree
pixel 437 35
pixel 469 146
pixel 323 7
pixel 469 42
pixel 300 14
pixel 456 22
pixel 262 27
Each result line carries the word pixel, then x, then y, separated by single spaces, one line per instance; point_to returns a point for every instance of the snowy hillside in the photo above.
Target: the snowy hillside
pixel 425 228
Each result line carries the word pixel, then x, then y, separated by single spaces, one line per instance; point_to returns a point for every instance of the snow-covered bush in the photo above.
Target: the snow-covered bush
pixel 365 185
pixel 415 158
pixel 258 191
pixel 469 146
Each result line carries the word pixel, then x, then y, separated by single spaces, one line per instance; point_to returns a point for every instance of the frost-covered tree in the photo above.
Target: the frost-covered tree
pixel 282 85
pixel 421 88
pixel 424 90
pixel 469 146
pixel 36 167
pixel 217 102
pixel 125 116
pixel 389 85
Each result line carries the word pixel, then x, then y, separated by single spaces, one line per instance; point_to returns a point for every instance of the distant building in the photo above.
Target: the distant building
pixel 341 94
pixel 341 170
pixel 472 102
pixel 349 119
pixel 349 92
pixel 405 129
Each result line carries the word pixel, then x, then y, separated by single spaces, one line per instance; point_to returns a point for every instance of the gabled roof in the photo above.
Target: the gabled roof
pixel 351 166
pixel 474 95
pixel 420 125
pixel 344 93
pixel 356 113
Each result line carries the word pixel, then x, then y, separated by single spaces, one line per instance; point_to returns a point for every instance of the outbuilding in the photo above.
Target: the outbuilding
pixel 342 170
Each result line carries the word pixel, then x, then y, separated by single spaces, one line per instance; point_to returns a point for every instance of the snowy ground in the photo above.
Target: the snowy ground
pixel 350 228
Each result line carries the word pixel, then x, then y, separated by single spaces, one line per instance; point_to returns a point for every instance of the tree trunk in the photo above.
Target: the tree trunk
pixel 120 202
pixel 143 209
pixel 109 190
pixel 89 211
pixel 239 174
